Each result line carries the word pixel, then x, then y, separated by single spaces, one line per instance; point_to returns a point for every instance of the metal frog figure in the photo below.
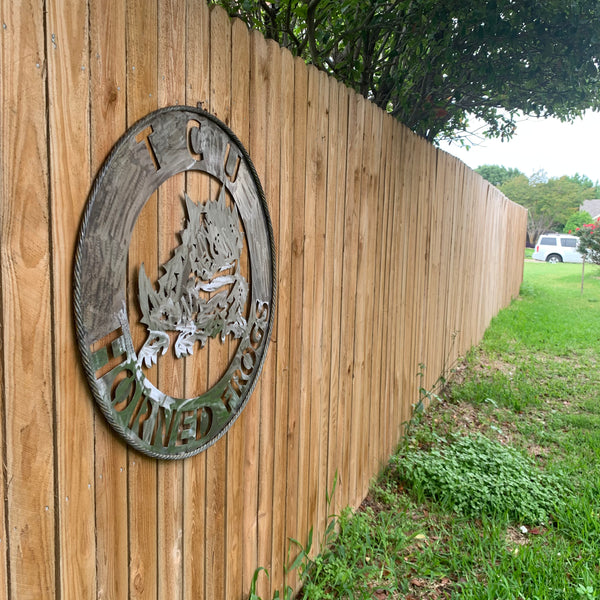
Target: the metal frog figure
pixel 201 294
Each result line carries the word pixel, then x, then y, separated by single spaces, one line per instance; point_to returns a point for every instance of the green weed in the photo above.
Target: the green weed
pixel 475 476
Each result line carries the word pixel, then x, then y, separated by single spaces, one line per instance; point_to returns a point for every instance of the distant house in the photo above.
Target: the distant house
pixel 591 206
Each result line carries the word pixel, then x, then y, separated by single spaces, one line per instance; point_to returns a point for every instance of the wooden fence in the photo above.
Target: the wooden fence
pixel 390 254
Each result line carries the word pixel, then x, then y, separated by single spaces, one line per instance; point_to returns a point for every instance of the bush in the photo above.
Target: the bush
pixel 474 476
pixel 578 219
pixel 589 241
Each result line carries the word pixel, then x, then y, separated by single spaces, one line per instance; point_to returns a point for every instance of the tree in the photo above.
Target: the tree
pixel 577 220
pixel 589 241
pixel 549 201
pixel 496 174
pixel 432 64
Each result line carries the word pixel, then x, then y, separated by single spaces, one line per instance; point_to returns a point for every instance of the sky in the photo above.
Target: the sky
pixel 557 148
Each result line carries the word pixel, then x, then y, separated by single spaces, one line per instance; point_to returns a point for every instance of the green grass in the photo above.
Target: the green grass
pixel 496 491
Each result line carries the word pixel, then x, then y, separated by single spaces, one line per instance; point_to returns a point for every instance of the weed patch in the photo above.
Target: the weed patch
pixel 475 476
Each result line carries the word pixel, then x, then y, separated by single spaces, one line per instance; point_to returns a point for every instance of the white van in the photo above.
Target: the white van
pixel 557 247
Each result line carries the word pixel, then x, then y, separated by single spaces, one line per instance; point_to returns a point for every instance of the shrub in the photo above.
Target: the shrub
pixel 578 219
pixel 589 240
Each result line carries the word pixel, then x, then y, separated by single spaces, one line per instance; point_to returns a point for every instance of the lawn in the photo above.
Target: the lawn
pixel 495 491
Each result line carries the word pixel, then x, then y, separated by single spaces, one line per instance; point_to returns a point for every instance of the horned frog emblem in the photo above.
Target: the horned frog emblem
pixel 201 294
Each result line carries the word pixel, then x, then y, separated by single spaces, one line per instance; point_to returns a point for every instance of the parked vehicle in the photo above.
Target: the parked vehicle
pixel 557 247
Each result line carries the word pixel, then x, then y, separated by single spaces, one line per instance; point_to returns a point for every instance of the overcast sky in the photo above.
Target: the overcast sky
pixel 558 148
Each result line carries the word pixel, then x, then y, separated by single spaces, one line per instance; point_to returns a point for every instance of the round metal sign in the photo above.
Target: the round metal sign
pixel 218 286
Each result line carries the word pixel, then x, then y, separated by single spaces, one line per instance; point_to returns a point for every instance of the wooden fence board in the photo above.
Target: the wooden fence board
pixel 218 353
pixel 311 309
pixel 356 121
pixel 171 24
pixel 295 487
pixel 281 334
pixel 375 190
pixel 333 272
pixel 271 73
pixel 321 321
pixel 108 121
pixel 26 296
pixel 379 413
pixel 68 75
pixel 142 93
pixel 364 294
pixel 240 65
pixel 3 404
pixel 307 306
pixel 196 377
pixel 383 265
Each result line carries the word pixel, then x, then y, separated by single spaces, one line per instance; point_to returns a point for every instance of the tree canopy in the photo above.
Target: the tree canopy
pixel 496 174
pixel 550 201
pixel 577 221
pixel 431 64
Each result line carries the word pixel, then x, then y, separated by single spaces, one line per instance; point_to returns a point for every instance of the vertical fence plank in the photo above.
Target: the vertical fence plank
pixel 282 337
pixel 194 469
pixel 308 309
pixel 108 122
pixel 371 383
pixel 356 120
pixel 360 417
pixel 331 273
pixel 321 326
pixel 310 399
pixel 337 185
pixel 396 290
pixel 257 148
pixel 294 483
pixel 216 457
pixel 379 332
pixel 26 293
pixel 3 398
pixel 142 71
pixel 171 90
pixel 68 75
pixel 317 198
pixel 410 254
pixel 272 80
pixel 240 66
pixel 382 334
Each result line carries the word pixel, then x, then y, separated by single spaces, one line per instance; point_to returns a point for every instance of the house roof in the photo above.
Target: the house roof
pixel 592 206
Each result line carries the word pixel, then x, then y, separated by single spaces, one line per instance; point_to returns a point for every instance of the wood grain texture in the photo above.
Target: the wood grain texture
pixel 196 377
pixel 108 121
pixel 266 481
pixel 284 308
pixel 218 353
pixel 311 311
pixel 338 132
pixel 27 342
pixel 383 266
pixel 296 202
pixel 356 124
pixel 234 505
pixel 142 98
pixel 171 24
pixel 68 74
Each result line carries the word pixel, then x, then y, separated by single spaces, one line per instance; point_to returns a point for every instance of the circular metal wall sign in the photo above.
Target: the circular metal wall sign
pixel 218 285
